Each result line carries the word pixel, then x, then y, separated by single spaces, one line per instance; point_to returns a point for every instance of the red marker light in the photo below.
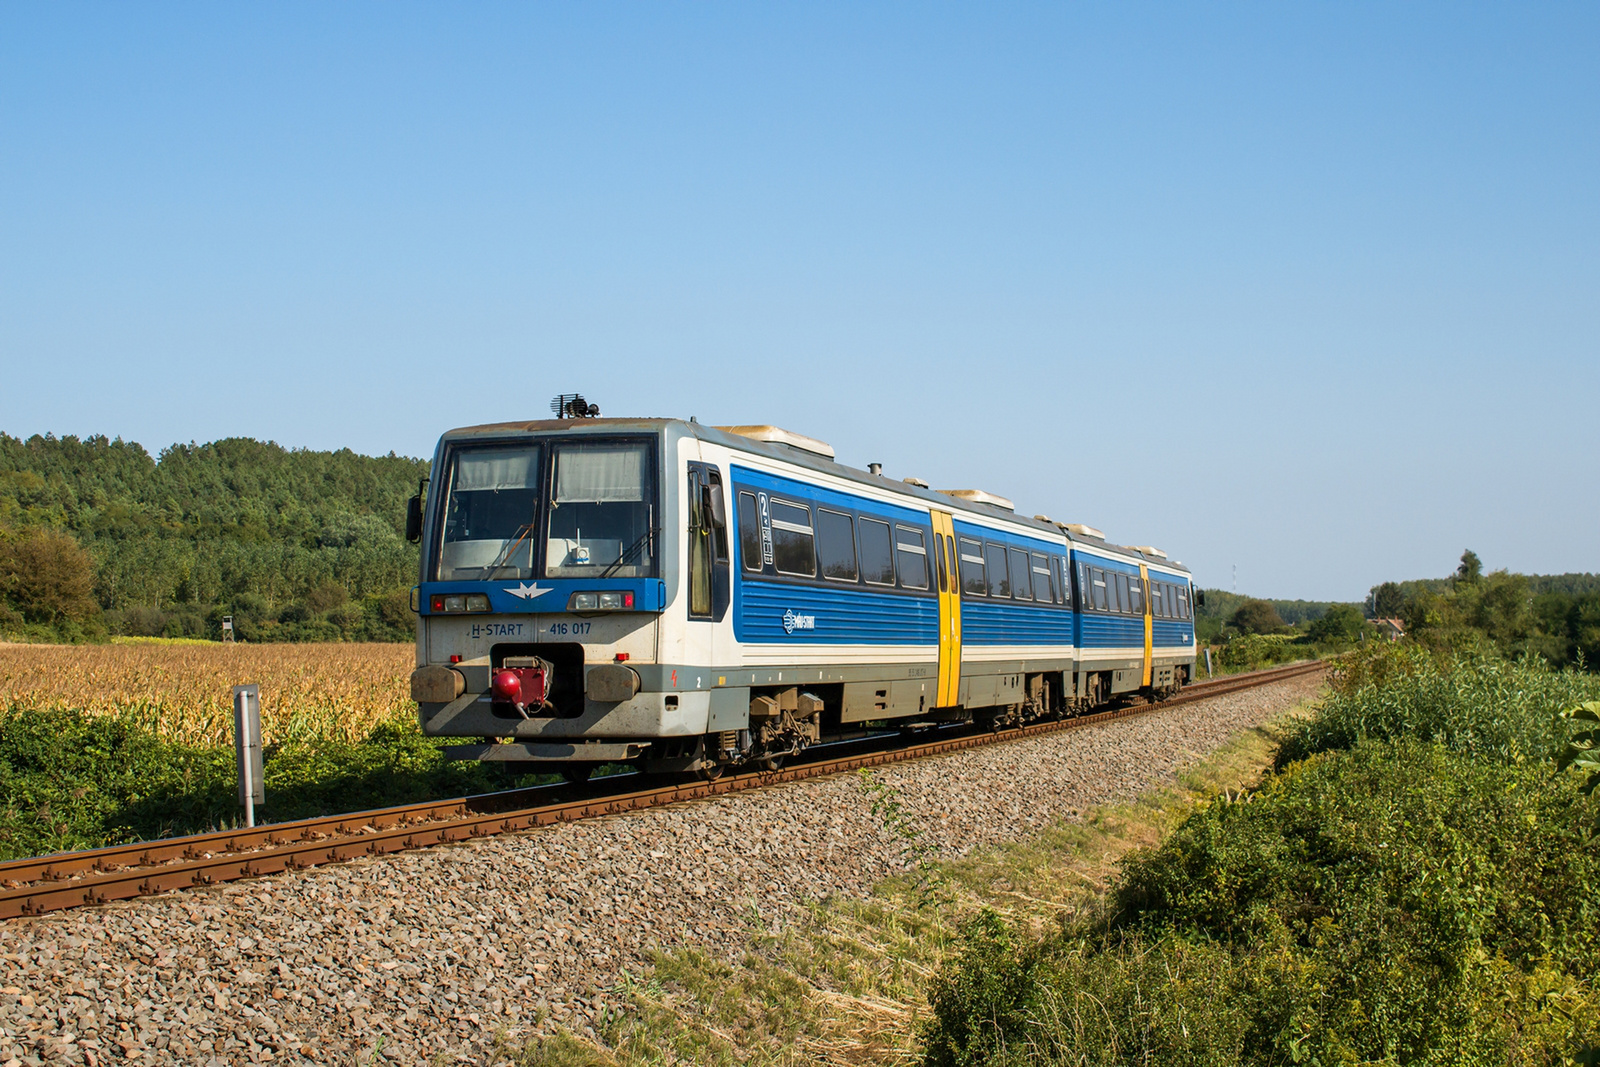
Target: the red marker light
pixel 622 657
pixel 436 603
pixel 507 686
pixel 455 659
pixel 627 602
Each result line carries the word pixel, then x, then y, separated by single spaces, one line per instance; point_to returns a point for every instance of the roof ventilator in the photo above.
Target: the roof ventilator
pixel 774 435
pixel 978 496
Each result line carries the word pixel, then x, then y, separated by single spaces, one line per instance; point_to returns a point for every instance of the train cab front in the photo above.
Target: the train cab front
pixel 541 595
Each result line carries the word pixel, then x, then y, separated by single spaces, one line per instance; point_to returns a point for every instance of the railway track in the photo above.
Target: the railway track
pixel 121 872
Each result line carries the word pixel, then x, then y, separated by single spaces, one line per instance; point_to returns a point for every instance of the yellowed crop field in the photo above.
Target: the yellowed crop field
pixel 184 691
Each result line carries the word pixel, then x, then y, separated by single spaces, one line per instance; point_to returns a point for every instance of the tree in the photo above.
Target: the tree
pixel 1471 568
pixel 1342 622
pixel 1388 601
pixel 1256 617
pixel 46 578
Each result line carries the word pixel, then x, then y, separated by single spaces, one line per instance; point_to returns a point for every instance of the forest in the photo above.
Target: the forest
pixel 97 538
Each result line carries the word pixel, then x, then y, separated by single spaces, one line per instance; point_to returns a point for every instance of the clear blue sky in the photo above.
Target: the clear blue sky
pixel 1310 289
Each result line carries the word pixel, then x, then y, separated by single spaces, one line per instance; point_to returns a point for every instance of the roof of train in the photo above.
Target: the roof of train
pixel 810 460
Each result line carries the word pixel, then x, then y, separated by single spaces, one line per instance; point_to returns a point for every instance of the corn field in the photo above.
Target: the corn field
pixel 184 691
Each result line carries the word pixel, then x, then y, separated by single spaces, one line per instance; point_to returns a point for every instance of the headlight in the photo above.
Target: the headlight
pixel 477 602
pixel 584 602
pixel 611 601
pixel 455 603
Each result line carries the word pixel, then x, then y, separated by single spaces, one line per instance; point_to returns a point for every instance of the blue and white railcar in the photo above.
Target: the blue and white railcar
pixel 599 590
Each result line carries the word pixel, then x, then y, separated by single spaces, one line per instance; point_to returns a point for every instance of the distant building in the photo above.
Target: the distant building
pixel 1393 629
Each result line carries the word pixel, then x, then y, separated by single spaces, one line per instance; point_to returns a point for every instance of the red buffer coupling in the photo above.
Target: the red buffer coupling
pixel 524 683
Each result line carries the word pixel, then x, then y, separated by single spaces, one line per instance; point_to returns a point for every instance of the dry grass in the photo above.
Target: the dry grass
pixel 184 691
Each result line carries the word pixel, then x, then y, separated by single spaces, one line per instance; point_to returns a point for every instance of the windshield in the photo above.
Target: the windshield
pixel 600 513
pixel 598 518
pixel 490 514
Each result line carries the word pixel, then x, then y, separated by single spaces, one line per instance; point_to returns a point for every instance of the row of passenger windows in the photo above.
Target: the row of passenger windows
pixel 799 547
pixel 806 542
pixel 988 569
pixel 1119 593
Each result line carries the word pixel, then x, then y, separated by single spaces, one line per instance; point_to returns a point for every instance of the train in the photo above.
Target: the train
pixel 693 599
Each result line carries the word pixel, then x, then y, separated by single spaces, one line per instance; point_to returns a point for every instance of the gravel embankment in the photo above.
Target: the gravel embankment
pixel 438 951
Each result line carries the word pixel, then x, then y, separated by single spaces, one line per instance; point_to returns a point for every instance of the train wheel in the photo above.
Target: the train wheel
pixel 774 763
pixel 709 772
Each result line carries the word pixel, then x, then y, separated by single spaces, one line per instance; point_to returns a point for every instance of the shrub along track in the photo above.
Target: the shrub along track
pixel 96 876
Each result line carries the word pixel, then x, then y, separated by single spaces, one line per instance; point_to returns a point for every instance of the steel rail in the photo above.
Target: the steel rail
pixel 78 879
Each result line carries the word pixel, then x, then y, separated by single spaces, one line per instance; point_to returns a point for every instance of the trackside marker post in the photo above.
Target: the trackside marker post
pixel 247 748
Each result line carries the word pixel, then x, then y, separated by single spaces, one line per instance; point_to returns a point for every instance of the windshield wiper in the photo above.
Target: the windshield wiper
pixel 504 557
pixel 626 555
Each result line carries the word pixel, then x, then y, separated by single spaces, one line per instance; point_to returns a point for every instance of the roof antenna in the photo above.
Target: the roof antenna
pixel 573 406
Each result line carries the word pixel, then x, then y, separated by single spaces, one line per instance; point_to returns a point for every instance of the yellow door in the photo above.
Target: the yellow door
pixel 1149 625
pixel 944 532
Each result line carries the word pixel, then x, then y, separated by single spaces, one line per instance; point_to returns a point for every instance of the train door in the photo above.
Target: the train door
pixel 949 610
pixel 1149 625
pixel 708 544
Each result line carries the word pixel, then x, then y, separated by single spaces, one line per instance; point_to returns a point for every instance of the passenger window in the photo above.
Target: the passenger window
pixel 1123 601
pixel 877 555
pixel 1136 589
pixel 836 545
pixel 1158 601
pixel 994 561
pixel 912 557
pixel 1044 584
pixel 1021 583
pixel 1183 602
pixel 792 548
pixel 972 578
pixel 749 533
pixel 1101 601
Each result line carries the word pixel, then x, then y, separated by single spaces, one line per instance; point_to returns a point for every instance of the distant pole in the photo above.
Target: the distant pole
pixel 1235 577
pixel 247 748
pixel 1208 662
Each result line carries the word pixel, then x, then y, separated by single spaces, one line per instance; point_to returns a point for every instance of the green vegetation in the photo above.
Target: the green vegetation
pixel 846 980
pixel 70 780
pixel 1413 885
pixel 98 537
pixel 1556 617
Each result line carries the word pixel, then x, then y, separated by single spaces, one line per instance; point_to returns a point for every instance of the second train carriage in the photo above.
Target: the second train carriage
pixel 602 590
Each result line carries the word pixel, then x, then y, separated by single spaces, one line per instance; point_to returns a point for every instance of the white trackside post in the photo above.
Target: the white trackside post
pixel 247 748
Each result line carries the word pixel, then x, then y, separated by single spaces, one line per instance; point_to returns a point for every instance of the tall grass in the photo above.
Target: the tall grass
pixel 183 693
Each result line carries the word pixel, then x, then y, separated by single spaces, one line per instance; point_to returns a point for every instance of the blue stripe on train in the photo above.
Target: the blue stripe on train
pixel 1005 623
pixel 1170 633
pixel 1110 631
pixel 779 613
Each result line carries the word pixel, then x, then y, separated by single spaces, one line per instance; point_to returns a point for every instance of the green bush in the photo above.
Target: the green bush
pixel 70 780
pixel 1417 888
pixel 1472 701
pixel 1254 651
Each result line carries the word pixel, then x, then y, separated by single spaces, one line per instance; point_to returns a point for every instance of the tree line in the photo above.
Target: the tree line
pixel 1555 617
pixel 98 537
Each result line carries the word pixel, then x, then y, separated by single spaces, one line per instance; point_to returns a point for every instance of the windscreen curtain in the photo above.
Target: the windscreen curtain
pixel 600 474
pixel 509 468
